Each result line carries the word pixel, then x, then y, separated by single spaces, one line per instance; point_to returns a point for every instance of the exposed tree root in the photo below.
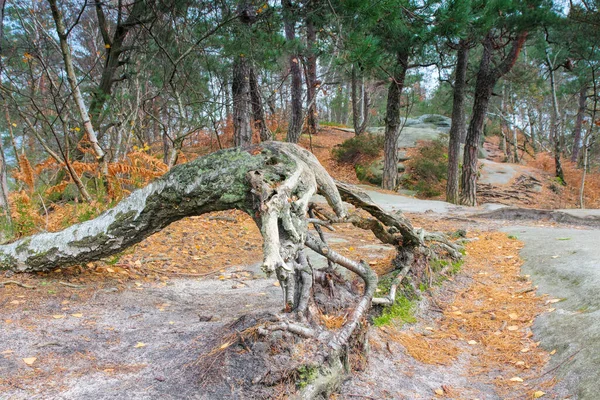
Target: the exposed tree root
pixel 274 183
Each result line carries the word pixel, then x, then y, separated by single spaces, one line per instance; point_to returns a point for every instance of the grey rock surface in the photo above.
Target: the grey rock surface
pixel 565 264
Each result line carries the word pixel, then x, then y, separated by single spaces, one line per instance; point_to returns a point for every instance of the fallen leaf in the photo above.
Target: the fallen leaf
pixel 225 345
pixel 472 342
pixel 439 392
pixel 7 352
pixel 538 394
pixel 276 284
pixel 110 270
pixel 554 257
pixel 77 315
pixel 513 316
pixel 552 301
pixel 58 316
pixel 139 344
pixel 553 352
pixel 30 360
pixel 516 379
pixel 513 328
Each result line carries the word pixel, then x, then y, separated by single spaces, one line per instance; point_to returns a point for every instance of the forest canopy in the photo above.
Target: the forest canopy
pixel 101 97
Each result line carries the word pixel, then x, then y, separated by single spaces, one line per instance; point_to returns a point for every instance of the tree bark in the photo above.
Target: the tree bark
pixel 114 51
pixel 4 203
pixel 73 84
pixel 457 127
pixel 258 180
pixel 579 123
pixel 392 124
pixel 258 111
pixel 360 116
pixel 554 123
pixel 532 123
pixel 295 124
pixel 311 72
pixel 240 89
pixel 486 79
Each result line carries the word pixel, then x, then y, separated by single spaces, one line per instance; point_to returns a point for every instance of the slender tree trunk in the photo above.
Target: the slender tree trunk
pixel 457 128
pixel 392 124
pixel 366 107
pixel 311 72
pixel 240 89
pixel 586 141
pixel 579 123
pixel 295 124
pixel 355 103
pixel 114 51
pixel 227 98
pixel 258 111
pixel 360 116
pixel 554 123
pixel 585 167
pixel 4 203
pixel 532 124
pixel 486 79
pixel 73 84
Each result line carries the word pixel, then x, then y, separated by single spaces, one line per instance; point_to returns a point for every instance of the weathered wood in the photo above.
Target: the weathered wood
pixel 216 182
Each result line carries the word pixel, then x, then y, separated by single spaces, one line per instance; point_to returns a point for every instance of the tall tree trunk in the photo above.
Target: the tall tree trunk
pixel 240 89
pixel 360 115
pixel 5 218
pixel 73 84
pixel 554 122
pixel 486 79
pixel 114 51
pixel 579 123
pixel 392 124
pixel 587 139
pixel 311 71
pixel 457 128
pixel 258 111
pixel 295 124
pixel 532 123
pixel 356 114
pixel 483 92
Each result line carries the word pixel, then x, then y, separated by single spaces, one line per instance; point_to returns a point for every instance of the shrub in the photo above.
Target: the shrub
pixel 353 149
pixel 428 169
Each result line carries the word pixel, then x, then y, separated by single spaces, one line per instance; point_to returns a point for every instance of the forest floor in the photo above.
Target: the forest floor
pixel 134 326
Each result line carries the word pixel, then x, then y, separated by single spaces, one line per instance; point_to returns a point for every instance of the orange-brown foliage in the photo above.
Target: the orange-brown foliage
pixel 573 175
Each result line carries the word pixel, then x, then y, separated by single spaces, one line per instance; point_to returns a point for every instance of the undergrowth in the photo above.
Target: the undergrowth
pixel 401 310
pixel 428 169
pixel 355 148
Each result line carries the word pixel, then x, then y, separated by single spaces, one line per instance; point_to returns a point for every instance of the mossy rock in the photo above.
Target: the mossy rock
pixel 373 172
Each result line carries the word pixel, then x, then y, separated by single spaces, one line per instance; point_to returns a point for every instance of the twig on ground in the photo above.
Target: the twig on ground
pixel 72 285
pixel 562 362
pixel 2 284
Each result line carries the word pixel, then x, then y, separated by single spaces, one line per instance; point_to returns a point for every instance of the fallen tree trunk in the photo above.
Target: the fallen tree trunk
pixel 259 180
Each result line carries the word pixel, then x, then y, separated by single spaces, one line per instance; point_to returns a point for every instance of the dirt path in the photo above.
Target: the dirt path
pixel 135 333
